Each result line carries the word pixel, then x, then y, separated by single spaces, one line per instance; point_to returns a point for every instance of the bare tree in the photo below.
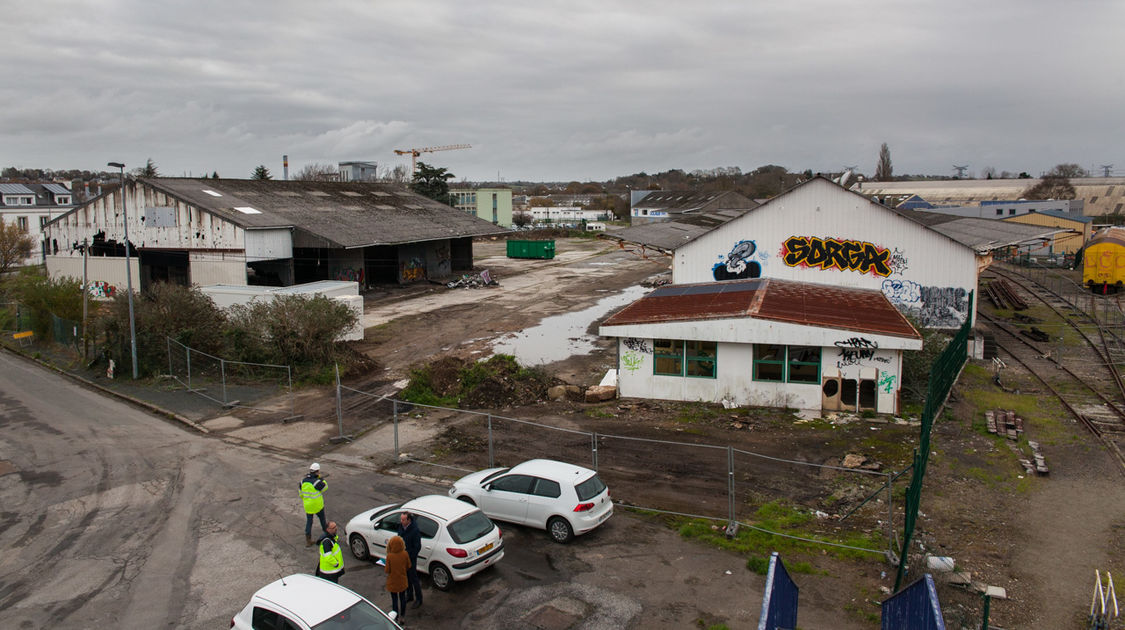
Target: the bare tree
pixel 988 172
pixel 884 171
pixel 398 175
pixel 1068 171
pixel 317 172
pixel 15 245
pixel 1051 187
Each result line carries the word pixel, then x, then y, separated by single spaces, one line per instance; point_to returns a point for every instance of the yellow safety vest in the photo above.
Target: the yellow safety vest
pixel 312 498
pixel 333 561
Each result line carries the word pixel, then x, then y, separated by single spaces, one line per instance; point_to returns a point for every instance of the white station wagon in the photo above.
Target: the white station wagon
pixel 458 540
pixel 564 499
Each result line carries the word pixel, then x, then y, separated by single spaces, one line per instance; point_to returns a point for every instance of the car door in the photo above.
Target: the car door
pixel 428 528
pixel 384 527
pixel 506 498
pixel 542 502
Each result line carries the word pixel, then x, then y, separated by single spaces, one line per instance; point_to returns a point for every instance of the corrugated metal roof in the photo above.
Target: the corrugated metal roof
pixel 670 234
pixel 803 303
pixel 988 234
pixel 372 214
pixel 687 200
pixel 57 189
pixel 15 189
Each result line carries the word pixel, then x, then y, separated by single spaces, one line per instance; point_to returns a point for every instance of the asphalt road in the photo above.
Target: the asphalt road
pixel 112 517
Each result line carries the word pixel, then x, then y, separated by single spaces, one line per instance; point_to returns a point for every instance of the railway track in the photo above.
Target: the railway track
pixel 1096 398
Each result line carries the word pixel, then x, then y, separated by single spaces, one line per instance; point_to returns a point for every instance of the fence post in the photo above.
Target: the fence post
pixel 730 486
pixel 292 400
pixel 491 460
pixel 394 413
pixel 594 445
pixel 223 378
pixel 187 351
pixel 890 513
pixel 339 404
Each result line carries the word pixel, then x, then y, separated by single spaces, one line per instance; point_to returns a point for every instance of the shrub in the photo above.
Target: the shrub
pixel 289 330
pixel 44 296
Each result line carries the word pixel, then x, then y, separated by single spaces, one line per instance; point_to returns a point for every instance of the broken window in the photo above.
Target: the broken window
pixel 668 355
pixel 769 362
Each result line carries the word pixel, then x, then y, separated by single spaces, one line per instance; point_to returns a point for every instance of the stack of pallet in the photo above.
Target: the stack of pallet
pixel 1003 422
pixel 1040 461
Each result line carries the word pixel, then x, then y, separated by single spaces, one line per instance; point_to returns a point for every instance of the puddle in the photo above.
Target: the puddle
pixel 561 336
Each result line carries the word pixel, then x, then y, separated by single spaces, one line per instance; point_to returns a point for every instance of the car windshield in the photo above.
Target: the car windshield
pixel 470 527
pixel 590 488
pixel 494 475
pixel 359 616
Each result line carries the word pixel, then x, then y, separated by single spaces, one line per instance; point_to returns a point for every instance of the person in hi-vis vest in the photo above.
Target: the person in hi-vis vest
pixel 312 496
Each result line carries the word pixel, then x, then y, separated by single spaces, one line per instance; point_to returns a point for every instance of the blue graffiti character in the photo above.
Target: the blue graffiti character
pixel 738 265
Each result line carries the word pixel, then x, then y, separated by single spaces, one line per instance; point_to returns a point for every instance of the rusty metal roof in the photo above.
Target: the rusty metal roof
pixel 347 214
pixel 803 303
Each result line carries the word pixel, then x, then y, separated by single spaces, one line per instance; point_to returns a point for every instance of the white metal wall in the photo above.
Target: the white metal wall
pixel 268 244
pixel 216 268
pixel 735 384
pixel 928 275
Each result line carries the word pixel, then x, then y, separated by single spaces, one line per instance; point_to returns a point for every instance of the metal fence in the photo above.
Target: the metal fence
pixel 259 387
pixel 696 480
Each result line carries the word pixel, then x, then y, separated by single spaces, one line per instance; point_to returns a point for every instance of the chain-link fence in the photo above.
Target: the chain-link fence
pixel 697 480
pixel 261 387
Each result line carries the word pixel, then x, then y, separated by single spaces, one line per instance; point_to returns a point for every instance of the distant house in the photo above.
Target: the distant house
pixel 252 232
pixel 491 204
pixel 358 171
pixel 666 205
pixel 1079 231
pixel 31 207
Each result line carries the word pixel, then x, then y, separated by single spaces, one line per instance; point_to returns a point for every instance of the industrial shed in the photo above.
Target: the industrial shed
pixel 273 233
pixel 822 233
pixel 764 342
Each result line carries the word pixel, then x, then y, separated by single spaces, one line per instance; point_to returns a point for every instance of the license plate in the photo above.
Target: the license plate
pixel 485 548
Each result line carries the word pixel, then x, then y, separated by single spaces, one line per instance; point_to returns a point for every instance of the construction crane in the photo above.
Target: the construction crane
pixel 414 153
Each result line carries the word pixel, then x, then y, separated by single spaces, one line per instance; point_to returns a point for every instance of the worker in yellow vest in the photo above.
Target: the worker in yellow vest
pixel 312 496
pixel 331 565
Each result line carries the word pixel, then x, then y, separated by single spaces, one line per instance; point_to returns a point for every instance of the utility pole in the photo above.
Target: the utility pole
pixel 85 298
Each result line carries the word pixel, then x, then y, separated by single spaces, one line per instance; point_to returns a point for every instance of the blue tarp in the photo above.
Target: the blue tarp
pixel 779 602
pixel 915 607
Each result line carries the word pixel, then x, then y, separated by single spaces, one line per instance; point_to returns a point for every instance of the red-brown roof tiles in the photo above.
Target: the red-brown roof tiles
pixel 804 303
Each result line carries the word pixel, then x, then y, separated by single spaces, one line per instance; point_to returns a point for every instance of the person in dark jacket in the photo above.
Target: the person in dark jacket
pixel 408 530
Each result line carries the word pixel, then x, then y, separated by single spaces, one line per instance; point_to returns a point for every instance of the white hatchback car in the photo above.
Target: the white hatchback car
pixel 304 602
pixel 458 540
pixel 564 499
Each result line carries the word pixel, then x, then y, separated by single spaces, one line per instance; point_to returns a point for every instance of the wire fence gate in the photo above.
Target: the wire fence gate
pixel 261 387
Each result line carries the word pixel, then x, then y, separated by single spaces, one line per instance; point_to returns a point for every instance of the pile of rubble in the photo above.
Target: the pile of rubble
pixel 473 281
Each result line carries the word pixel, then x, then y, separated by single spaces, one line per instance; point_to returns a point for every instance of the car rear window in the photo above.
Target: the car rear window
pixel 470 527
pixel 590 488
pixel 359 616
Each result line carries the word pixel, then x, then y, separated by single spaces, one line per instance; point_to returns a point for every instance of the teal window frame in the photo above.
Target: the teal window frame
pixel 701 359
pixel 801 358
pixel 769 356
pixel 664 350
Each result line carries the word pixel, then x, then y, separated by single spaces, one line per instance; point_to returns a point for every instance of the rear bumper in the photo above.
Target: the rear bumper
pixel 465 570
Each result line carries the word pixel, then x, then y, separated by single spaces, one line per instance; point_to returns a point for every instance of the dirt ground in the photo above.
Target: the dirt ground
pixel 1039 538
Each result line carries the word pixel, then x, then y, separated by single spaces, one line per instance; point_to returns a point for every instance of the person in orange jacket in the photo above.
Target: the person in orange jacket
pixel 398 561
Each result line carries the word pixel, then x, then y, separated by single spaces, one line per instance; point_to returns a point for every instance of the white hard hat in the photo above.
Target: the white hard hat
pixel 315 467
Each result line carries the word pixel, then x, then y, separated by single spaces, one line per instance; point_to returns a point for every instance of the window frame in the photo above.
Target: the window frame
pixel 699 358
pixel 781 362
pixel 676 354
pixel 790 362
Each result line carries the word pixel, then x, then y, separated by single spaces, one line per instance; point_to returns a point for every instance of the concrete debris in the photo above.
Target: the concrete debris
pixel 600 393
pixel 474 281
pixel 852 460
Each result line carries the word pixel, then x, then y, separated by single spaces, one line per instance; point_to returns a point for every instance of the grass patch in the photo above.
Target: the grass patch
pixel 776 516
pixel 599 412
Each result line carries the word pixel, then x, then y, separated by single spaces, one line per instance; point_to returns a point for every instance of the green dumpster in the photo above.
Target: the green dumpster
pixel 531 249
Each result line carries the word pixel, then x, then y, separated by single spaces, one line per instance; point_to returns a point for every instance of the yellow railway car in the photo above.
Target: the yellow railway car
pixel 1103 261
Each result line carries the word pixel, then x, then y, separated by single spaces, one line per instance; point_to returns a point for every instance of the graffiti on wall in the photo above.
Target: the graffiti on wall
pixel 738 263
pixel 887 382
pixel 349 274
pixel 857 350
pixel 897 261
pixel 842 255
pixel 932 307
pixel 101 289
pixel 413 269
pixel 631 361
pixel 636 345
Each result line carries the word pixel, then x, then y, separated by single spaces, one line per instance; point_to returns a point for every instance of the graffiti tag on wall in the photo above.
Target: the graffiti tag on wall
pixel 861 256
pixel 631 361
pixel 738 263
pixel 349 274
pixel 855 350
pixel 887 382
pixel 637 345
pixel 413 269
pixel 902 291
pixel 101 289
pixel 933 307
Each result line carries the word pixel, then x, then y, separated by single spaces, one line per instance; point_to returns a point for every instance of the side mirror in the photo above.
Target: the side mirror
pixel 487 487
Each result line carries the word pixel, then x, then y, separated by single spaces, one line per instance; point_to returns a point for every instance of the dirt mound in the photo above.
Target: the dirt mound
pixel 496 383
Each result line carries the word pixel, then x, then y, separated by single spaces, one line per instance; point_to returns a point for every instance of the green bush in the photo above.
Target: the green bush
pixel 42 296
pixel 289 330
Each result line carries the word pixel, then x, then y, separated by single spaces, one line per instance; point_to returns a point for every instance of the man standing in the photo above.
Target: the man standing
pixel 408 530
pixel 331 565
pixel 312 496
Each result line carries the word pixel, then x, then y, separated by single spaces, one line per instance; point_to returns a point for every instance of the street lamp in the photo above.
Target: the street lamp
pixel 128 269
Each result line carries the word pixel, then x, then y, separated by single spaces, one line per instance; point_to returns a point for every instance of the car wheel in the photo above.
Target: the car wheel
pixel 359 547
pixel 467 500
pixel 560 530
pixel 441 577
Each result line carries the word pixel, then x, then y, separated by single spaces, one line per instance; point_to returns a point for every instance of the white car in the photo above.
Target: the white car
pixel 564 499
pixel 458 540
pixel 304 602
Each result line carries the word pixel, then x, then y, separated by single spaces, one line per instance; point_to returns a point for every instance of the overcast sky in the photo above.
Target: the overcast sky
pixel 559 91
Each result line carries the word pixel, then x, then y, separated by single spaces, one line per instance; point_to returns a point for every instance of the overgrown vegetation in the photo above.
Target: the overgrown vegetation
pixel 42 296
pixel 776 516
pixel 916 366
pixel 499 381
